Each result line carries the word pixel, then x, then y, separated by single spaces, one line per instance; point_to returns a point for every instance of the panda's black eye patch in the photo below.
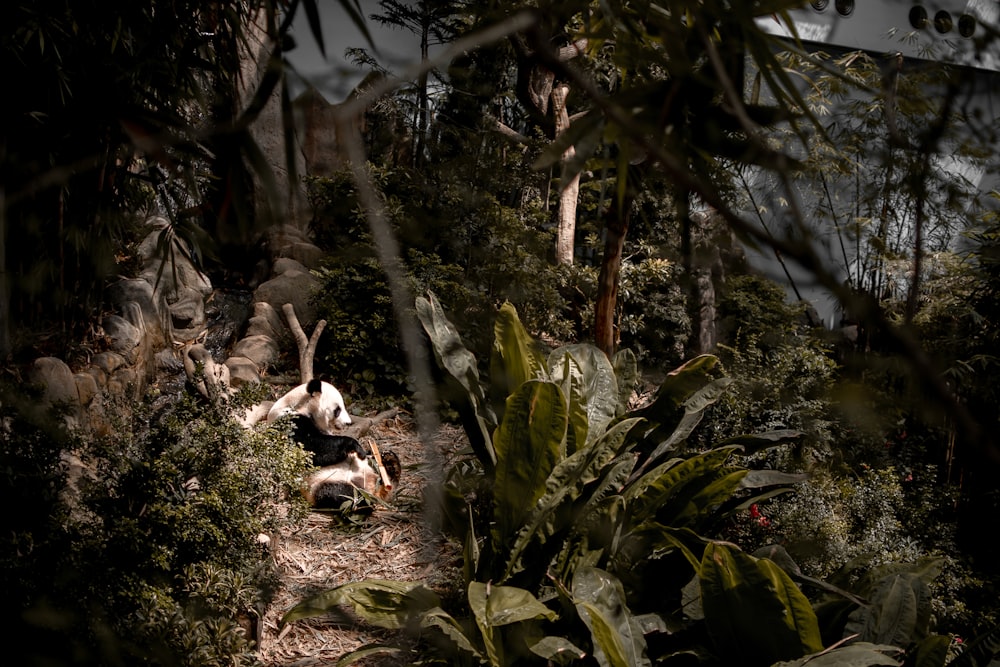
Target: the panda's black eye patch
pixel 336 412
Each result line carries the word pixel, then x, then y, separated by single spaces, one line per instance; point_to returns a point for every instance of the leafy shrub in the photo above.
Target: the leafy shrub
pixel 653 319
pixel 159 560
pixel 592 518
pixel 468 247
pixel 360 346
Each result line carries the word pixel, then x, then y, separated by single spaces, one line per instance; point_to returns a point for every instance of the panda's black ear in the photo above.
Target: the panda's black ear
pixel 314 387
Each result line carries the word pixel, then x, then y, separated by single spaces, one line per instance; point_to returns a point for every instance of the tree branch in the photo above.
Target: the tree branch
pixel 307 348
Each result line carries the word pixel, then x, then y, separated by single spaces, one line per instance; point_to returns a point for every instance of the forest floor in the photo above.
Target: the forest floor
pixel 393 543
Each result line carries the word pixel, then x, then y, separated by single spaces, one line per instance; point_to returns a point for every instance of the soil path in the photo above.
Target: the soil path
pixel 321 553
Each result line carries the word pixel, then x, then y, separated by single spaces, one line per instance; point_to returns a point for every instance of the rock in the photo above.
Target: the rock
pixel 294 287
pixel 285 264
pixel 167 264
pixel 125 337
pixel 275 326
pixel 56 379
pixel 187 311
pixel 261 350
pixel 58 388
pixel 166 360
pixel 108 362
pixel 242 371
pixel 306 254
pixel 86 387
pixel 140 292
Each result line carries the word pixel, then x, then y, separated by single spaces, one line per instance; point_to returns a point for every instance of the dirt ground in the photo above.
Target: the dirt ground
pixel 392 544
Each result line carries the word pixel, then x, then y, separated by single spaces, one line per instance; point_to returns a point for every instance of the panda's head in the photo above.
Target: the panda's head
pixel 326 406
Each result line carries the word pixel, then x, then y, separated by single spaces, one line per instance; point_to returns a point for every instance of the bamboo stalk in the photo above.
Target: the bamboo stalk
pixel 381 468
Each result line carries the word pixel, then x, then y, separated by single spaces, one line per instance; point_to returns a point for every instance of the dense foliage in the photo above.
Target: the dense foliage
pixel 593 531
pixel 151 551
pixel 594 527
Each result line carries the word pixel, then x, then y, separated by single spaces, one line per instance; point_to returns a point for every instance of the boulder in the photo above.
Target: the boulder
pixel 187 310
pixel 86 388
pixel 286 264
pixel 267 321
pixel 306 254
pixel 294 287
pixel 167 263
pixel 108 362
pixel 261 350
pixel 140 292
pixel 125 337
pixel 56 380
pixel 242 371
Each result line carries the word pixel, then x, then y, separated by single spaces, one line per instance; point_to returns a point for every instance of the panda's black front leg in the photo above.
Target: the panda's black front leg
pixel 333 449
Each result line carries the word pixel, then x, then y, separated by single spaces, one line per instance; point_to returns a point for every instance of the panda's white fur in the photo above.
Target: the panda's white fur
pixel 329 487
pixel 319 400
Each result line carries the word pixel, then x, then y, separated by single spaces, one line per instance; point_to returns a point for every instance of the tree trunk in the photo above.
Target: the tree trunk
pixel 570 187
pixel 616 226
pixel 5 328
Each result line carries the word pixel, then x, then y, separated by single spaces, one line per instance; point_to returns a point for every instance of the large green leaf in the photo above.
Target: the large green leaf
pixel 460 364
pixel 858 654
pixel 627 373
pixel 600 394
pixel 656 541
pixel 529 444
pixel 679 492
pixel 570 377
pixel 382 602
pixel 680 384
pixel 515 358
pixel 899 612
pixel 451 630
pixel 694 407
pixel 556 509
pixel 931 652
pixel 495 606
pixel 753 611
pixel 557 650
pixel 600 601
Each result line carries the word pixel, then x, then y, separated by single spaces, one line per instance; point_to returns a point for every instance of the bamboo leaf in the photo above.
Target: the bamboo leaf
pixel 577 133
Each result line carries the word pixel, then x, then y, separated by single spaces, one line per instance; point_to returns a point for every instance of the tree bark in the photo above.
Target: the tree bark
pixel 5 310
pixel 616 228
pixel 307 347
pixel 570 186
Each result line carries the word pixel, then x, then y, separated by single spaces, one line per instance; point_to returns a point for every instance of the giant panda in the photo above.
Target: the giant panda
pixel 335 487
pixel 326 450
pixel 316 399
